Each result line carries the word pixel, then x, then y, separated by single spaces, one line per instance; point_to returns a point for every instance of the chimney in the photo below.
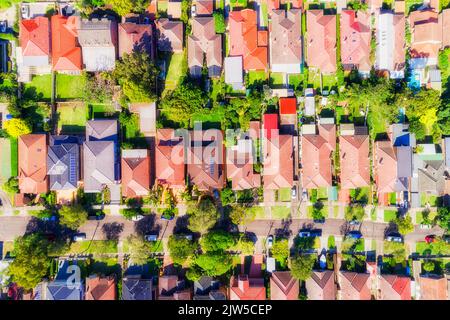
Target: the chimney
pixel 243 282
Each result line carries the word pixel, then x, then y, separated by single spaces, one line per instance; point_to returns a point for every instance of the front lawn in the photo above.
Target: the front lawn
pixel 322 193
pixel 284 194
pixel 360 195
pixel 323 212
pixel 69 86
pixel 435 248
pixel 71 118
pixel 258 211
pixel 429 198
pixel 390 215
pixel 105 266
pixel 174 66
pixel 93 247
pixel 280 212
pixel 5 159
pixel 39 89
pixel 331 242
pixel 419 216
pixel 393 198
pixel 255 77
pixel 14 157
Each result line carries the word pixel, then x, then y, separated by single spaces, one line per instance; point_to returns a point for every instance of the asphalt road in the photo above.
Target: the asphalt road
pixel 118 227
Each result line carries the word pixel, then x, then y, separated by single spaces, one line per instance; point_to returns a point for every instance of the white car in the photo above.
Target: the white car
pixel 394 238
pixel 137 217
pixel 425 226
pixel 294 192
pixel 151 237
pixel 79 237
pixel 269 242
pixel 25 11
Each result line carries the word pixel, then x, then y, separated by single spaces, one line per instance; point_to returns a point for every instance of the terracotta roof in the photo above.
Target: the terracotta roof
pixel 288 105
pixel 240 166
pixel 270 123
pixel 244 288
pixel 433 288
pixel 169 158
pixel 355 286
pixel 283 286
pixel 34 37
pixel 244 39
pixel 355 39
pixel 316 157
pixel 445 22
pixel 134 36
pixel 395 287
pixel 135 173
pixel 169 289
pixel 400 43
pixel 321 285
pixel 101 288
pixel 385 166
pixel 66 53
pixel 354 161
pixel 204 7
pixel 170 35
pixel 426 34
pixel 33 163
pixel 278 162
pixel 321 44
pixel 205 159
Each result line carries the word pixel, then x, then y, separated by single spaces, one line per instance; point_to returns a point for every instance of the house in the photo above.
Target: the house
pixel 426 37
pixel 429 168
pixel 32 149
pixel 286 41
pixel 283 286
pixel 394 287
pixel 100 149
pixel 135 37
pixel 136 288
pixel 240 160
pixel 98 40
pixel 288 111
pixel 433 287
pixel 278 157
pixel 135 173
pixel 355 41
pixel 206 288
pixel 101 288
pixel 244 288
pixel 445 23
pixel 147 117
pixel 205 159
pixel 63 163
pixel 354 286
pixel 233 72
pixel 309 103
pixel 170 288
pixel 169 159
pixel 354 157
pixel 203 7
pixel 321 41
pixel 66 52
pixel 174 9
pixel 246 40
pixel 33 52
pixel 316 154
pixel 170 35
pixel 390 51
pixel 321 285
pixel 204 44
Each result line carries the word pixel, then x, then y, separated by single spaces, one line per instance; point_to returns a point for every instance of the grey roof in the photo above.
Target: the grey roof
pixel 104 130
pixel 404 162
pixel 137 289
pixel 99 165
pixel 233 72
pixel 97 33
pixel 447 151
pixel 205 284
pixel 62 290
pixel 63 166
pixel 213 295
pixel 431 177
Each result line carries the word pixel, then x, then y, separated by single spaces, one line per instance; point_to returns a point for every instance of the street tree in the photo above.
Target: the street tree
pixel 214 263
pixel 72 216
pixel 181 249
pixel 404 224
pixel 241 215
pixel 280 251
pixel 139 249
pixel 202 216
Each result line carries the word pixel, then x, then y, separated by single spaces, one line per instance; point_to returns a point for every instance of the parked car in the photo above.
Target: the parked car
pixel 430 238
pixel 151 237
pixel 425 226
pixel 269 242
pixel 305 195
pixel 319 220
pixel 310 233
pixel 354 223
pixel 79 237
pixel 51 218
pixel 394 237
pixel 3 26
pixel 354 234
pixel 193 11
pixel 294 192
pixel 188 236
pixel 98 216
pixel 25 11
pixel 304 234
pixel 137 217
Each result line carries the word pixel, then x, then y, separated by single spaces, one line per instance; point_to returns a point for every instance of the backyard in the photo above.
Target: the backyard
pixel 276 79
pixel 69 86
pixel 40 88
pixel 100 110
pixel 5 159
pixel 255 77
pixel 71 117
pixel 174 71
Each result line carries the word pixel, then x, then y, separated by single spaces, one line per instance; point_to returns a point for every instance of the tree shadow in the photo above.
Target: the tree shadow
pixel 146 225
pixel 284 231
pixel 181 225
pixel 112 230
pixel 391 228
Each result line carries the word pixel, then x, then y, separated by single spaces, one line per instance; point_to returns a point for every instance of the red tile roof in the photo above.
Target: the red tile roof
pixel 33 163
pixel 288 105
pixel 34 37
pixel 101 288
pixel 354 160
pixel 395 287
pixel 66 53
pixel 246 41
pixel 204 7
pixel 321 44
pixel 240 166
pixel 426 34
pixel 244 288
pixel 278 162
pixel 321 285
pixel 134 36
pixel 283 286
pixel 385 166
pixel 135 176
pixel 169 159
pixel 270 123
pixel 355 286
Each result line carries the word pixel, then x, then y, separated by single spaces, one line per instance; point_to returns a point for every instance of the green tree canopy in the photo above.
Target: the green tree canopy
pixel 202 216
pixel 429 266
pixel 217 240
pixel 72 216
pixel 280 251
pixel 219 21
pixel 443 218
pixel 241 215
pixel 139 249
pixel 404 225
pixel 17 127
pixel 11 185
pixel 214 263
pixel 302 266
pixel 354 212
pixel 180 249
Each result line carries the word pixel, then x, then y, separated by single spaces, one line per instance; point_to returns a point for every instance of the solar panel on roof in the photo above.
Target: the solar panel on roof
pixel 72 166
pixel 211 166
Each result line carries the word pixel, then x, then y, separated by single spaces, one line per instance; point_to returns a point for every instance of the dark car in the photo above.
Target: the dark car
pixel 446 238
pixel 99 216
pixel 354 234
pixel 306 233
pixel 319 220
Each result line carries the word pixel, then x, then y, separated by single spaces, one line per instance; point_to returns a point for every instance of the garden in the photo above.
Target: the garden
pixel 71 117
pixel 69 86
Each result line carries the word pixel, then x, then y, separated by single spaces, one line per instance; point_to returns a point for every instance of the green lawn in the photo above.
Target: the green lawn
pixel 428 198
pixel 419 216
pixel 284 194
pixel 256 76
pixel 14 157
pixel 276 79
pixel 436 248
pixel 377 123
pixel 392 198
pixel 296 80
pixel 162 6
pixel 101 110
pixel 258 211
pixel 40 87
pixel 335 211
pixel 69 86
pixel 105 266
pixel 174 71
pixel 71 119
pixel 280 212
pixel 94 247
pixel 5 159
pixel 265 16
pixel 156 246
pixel 360 194
pixel 390 215
pixel 331 242
pixel 323 211
pixel 373 214
pixel 322 194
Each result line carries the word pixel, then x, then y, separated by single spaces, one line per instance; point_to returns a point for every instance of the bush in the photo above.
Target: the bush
pixel 12 185
pixel 219 21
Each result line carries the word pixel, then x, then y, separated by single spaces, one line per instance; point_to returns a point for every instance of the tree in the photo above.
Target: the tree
pixel 214 263
pixel 429 266
pixel 404 225
pixel 280 251
pixel 443 218
pixel 194 273
pixel 139 249
pixel 11 185
pixel 181 249
pixel 219 21
pixel 31 262
pixel 179 105
pixel 241 215
pixel 17 127
pixel 354 212
pixel 227 196
pixel 72 216
pixel 218 240
pixel 202 216
pixel 302 266
pixel 137 75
